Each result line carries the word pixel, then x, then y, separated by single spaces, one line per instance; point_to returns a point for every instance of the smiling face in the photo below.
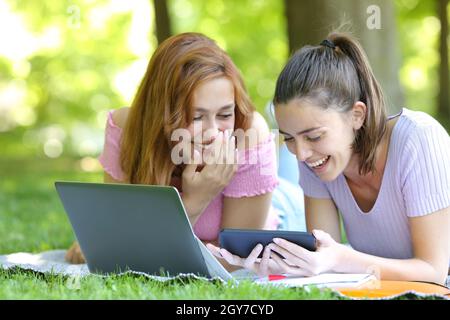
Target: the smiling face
pixel 321 138
pixel 214 111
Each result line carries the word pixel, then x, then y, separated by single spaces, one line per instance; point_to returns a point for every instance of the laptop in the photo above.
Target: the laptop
pixel 143 228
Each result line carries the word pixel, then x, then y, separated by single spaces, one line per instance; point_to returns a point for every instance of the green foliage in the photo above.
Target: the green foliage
pixel 418 34
pixel 69 78
pixel 68 62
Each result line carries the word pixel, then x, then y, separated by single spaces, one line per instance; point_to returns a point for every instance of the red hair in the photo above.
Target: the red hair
pixel 163 104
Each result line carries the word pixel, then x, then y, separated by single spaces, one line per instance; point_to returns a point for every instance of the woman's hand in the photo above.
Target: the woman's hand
pixel 261 267
pixel 299 261
pixel 199 188
pixel 74 254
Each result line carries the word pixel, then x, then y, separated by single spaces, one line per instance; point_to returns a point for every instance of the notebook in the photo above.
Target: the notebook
pixel 330 280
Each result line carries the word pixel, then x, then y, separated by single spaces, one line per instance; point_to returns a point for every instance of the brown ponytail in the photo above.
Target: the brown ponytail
pixel 336 75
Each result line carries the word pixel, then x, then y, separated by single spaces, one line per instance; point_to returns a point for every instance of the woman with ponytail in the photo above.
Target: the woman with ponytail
pixel 386 177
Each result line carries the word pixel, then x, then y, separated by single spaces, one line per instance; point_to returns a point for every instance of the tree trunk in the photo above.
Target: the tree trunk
pixel 163 29
pixel 444 86
pixel 309 22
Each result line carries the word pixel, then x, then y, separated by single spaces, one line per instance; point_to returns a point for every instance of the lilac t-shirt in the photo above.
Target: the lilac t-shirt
pixel 256 175
pixel 416 182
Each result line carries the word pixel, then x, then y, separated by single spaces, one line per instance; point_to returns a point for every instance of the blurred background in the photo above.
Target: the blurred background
pixel 64 64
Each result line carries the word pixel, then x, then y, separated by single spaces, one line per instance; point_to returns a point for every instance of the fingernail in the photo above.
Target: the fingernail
pixel 276 240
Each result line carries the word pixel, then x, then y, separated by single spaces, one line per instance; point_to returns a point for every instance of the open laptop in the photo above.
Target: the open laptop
pixel 142 228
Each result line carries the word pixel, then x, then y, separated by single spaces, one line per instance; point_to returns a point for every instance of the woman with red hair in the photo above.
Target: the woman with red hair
pixel 191 84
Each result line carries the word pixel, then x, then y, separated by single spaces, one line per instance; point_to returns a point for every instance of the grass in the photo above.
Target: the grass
pixel 20 284
pixel 32 219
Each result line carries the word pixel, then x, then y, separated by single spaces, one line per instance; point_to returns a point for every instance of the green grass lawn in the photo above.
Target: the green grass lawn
pixel 19 284
pixel 32 219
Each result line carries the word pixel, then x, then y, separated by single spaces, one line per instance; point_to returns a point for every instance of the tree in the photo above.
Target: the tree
pixel 372 22
pixel 162 20
pixel 444 84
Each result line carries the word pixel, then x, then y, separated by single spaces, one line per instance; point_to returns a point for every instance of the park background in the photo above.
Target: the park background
pixel 65 64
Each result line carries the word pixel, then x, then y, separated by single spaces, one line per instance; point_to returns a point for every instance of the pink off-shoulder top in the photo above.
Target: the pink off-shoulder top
pixel 255 176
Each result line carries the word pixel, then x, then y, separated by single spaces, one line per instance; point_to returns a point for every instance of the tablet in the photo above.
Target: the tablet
pixel 242 241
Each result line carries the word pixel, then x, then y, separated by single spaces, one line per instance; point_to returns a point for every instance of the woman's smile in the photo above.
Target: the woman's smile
pixel 320 165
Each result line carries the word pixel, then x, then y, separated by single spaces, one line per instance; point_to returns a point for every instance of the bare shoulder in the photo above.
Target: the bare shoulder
pixel 259 130
pixel 260 125
pixel 120 116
